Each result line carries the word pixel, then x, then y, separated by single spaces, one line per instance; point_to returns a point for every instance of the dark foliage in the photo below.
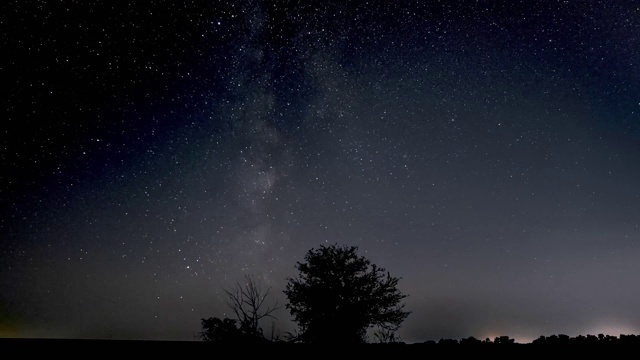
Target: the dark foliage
pixel 339 295
pixel 220 330
pixel 226 331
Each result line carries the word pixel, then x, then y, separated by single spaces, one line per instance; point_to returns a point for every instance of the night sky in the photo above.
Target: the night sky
pixel 485 152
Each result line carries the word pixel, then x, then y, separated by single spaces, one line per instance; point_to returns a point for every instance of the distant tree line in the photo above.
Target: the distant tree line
pixel 542 341
pixel 582 346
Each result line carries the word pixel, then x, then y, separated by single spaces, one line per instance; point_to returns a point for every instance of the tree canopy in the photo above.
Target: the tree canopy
pixel 339 295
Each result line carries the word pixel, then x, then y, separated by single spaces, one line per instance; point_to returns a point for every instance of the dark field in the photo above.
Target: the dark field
pixel 186 349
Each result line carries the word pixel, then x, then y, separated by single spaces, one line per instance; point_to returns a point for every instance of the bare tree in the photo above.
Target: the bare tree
pixel 386 336
pixel 248 303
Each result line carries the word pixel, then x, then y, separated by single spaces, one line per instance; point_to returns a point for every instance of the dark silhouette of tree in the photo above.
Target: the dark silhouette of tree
pixel 248 304
pixel 503 340
pixel 386 336
pixel 220 330
pixel 448 342
pixel 470 341
pixel 339 295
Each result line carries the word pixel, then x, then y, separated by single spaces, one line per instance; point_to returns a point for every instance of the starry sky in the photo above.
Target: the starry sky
pixel 155 152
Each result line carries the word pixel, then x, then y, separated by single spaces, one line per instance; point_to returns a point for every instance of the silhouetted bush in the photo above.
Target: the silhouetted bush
pixel 339 295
